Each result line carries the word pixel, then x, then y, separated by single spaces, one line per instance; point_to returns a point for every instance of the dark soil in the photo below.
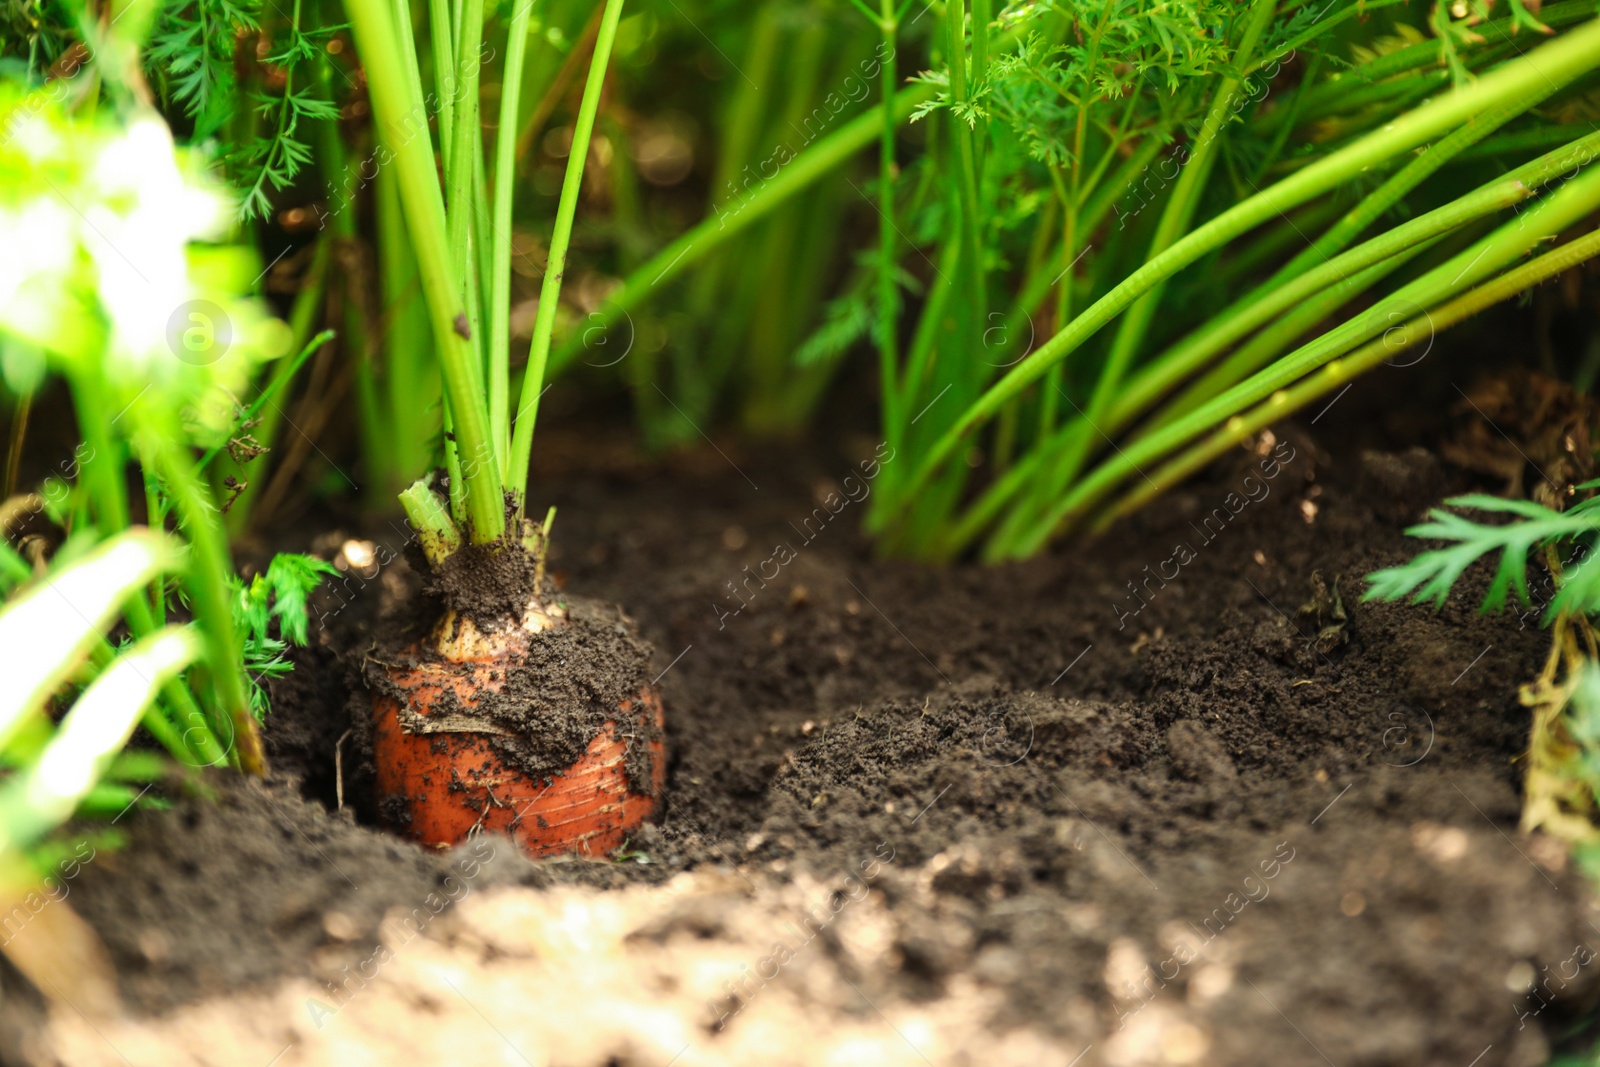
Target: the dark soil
pixel 1182 764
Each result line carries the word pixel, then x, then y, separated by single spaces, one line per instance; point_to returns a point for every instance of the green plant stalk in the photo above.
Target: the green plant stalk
pixel 960 327
pixel 1291 311
pixel 411 384
pixel 1176 217
pixel 466 153
pixel 1366 358
pixel 428 516
pixel 1373 99
pixel 1293 111
pixel 194 747
pixel 968 204
pixel 1261 349
pixel 505 166
pixel 981 18
pixel 1406 60
pixel 920 357
pixel 1178 213
pixel 481 273
pixel 146 616
pixel 406 35
pixel 737 330
pixel 937 503
pixel 207 581
pixel 457 492
pixel 1349 118
pixel 1037 286
pixel 1281 333
pixel 42 796
pixel 1535 138
pixel 281 377
pixel 409 361
pixel 1005 434
pixel 442 38
pixel 549 79
pixel 1270 300
pixel 556 262
pixel 402 121
pixel 201 743
pixel 307 306
pixel 1375 205
pixel 817 161
pixel 989 503
pixel 1560 61
pixel 738 133
pixel 1506 191
pixel 781 397
pixel 888 287
pixel 197 746
pixel 1240 267
pixel 1047 464
pixel 1562 208
pixel 627 201
pixel 101 474
pixel 1069 197
pixel 742 122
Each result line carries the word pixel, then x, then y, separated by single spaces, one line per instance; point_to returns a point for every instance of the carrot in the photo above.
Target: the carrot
pixel 443 777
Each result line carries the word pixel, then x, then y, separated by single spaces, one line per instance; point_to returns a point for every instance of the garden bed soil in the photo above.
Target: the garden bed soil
pixel 1033 814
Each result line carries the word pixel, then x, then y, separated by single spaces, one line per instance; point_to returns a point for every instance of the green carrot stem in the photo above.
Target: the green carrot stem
pixel 1285 313
pixel 1374 206
pixel 1179 211
pixel 442 38
pixel 1422 54
pixel 969 206
pixel 1544 220
pixel 411 380
pixel 282 375
pixel 207 582
pixel 1265 305
pixel 1559 61
pixel 805 169
pixel 431 519
pixel 556 265
pixel 888 290
pixel 465 154
pixel 505 165
pixel 1369 356
pixel 402 123
pixel 102 477
pixel 1176 217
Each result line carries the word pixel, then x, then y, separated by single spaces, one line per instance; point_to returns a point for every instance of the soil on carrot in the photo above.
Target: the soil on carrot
pixel 552 701
pixel 1172 796
pixel 489 583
